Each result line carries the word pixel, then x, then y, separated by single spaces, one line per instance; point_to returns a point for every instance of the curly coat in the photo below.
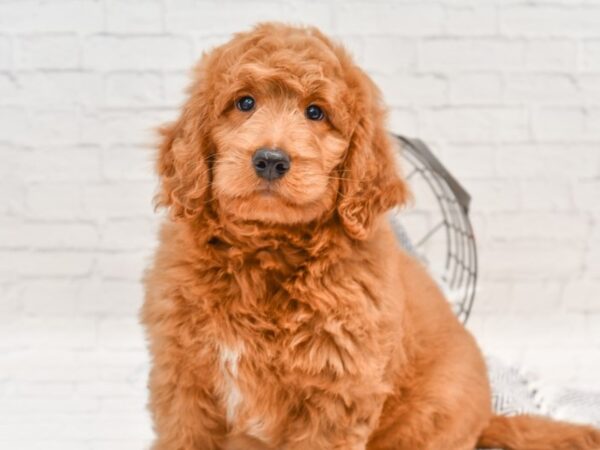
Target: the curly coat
pixel 283 315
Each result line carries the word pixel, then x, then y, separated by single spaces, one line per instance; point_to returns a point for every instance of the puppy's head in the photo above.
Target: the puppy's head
pixel 280 128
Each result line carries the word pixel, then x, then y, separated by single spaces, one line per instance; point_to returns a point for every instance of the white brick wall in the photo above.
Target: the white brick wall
pixel 508 93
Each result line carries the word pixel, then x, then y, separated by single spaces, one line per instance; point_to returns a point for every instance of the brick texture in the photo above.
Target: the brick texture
pixel 508 93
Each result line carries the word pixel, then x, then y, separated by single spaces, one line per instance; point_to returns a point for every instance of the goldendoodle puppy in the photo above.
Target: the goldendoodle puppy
pixel 280 310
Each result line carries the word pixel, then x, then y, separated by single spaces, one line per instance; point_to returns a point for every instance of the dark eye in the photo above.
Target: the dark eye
pixel 245 103
pixel 313 112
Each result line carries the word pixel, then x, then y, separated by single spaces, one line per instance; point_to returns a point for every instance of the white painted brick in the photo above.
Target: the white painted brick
pixel 119 366
pixel 120 427
pixel 476 19
pixel 549 20
pixel 32 442
pixel 547 161
pixel 50 389
pixel 90 427
pixel 44 366
pixel 126 403
pixel 206 18
pixel 403 121
pixel 591 55
pixel 394 19
pixel 121 334
pixel 204 43
pixel 111 297
pixel 536 89
pixel 402 90
pixel 10 293
pixel 52 263
pixel 592 329
pixel 388 55
pixel 493 297
pixel 174 86
pixel 60 201
pixel 8 89
pixel 449 54
pixel 30 16
pixel 128 266
pixel 111 389
pixel 130 234
pixel 545 330
pixel 493 195
pixel 476 124
pixel 11 187
pixel 586 193
pixel 60 164
pixel 62 365
pixel 54 236
pixel 525 226
pixel 102 444
pixel 53 127
pixel 559 124
pixel 551 55
pixel 119 199
pixel 592 124
pixel 590 88
pixel 48 89
pixel 15 124
pixel 522 260
pixel 479 225
pixel 129 163
pixel 133 16
pixel 14 197
pixel 131 126
pixel 592 258
pixel 469 160
pixel 47 52
pixel 540 195
pixel 137 53
pixel 476 88
pixel 581 295
pixel 319 14
pixel 528 297
pixel 50 333
pixel 50 297
pixel 67 404
pixel 134 89
pixel 10 230
pixel 5 53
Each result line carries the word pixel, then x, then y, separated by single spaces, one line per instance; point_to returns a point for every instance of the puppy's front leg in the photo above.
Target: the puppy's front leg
pixel 344 444
pixel 187 413
pixel 244 442
pixel 349 429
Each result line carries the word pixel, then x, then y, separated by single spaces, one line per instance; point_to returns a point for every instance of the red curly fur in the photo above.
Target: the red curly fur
pixel 283 315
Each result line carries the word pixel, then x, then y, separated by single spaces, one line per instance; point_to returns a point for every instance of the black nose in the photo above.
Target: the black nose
pixel 270 163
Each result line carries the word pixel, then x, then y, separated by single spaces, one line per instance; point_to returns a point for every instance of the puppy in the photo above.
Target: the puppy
pixel 280 311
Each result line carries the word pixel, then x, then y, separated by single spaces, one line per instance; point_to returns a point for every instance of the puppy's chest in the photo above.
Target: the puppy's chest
pixel 264 378
pixel 273 347
pixel 229 386
pixel 244 386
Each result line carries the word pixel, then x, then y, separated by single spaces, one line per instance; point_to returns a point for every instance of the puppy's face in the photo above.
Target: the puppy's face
pixel 282 132
pixel 280 127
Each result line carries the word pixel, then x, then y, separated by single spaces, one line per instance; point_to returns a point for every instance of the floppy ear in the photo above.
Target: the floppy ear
pixel 183 160
pixel 370 182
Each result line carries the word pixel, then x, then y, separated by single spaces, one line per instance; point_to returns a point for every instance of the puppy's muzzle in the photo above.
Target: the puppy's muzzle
pixel 271 163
